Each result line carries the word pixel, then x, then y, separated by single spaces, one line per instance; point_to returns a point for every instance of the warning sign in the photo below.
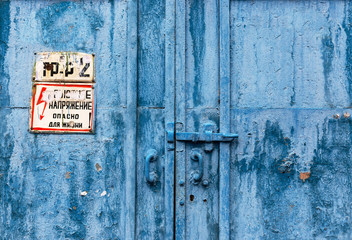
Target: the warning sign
pixel 63 66
pixel 62 107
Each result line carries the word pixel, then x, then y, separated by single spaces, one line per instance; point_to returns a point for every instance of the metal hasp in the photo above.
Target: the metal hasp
pixel 207 135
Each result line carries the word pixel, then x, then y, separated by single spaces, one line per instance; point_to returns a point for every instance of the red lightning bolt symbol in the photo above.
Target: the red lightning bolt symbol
pixel 41 101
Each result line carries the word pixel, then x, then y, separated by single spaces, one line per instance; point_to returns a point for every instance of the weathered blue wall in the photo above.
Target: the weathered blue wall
pixel 291 100
pixel 160 61
pixel 42 175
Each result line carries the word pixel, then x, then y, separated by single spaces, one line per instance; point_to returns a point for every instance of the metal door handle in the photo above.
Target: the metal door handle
pixel 197 157
pixel 151 156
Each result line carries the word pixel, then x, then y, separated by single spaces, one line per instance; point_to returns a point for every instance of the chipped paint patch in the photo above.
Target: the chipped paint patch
pixel 68 175
pixel 304 176
pixel 98 167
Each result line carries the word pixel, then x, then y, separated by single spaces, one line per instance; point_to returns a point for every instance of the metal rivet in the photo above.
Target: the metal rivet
pixel 182 202
pixel 181 182
pixel 205 183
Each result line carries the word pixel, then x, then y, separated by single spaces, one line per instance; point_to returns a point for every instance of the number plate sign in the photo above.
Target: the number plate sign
pixel 62 107
pixel 63 66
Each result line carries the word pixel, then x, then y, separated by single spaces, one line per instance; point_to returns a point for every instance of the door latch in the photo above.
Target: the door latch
pixel 207 135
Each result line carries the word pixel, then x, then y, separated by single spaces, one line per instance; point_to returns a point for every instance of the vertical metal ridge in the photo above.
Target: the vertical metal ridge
pixel 174 173
pixel 169 186
pixel 131 120
pixel 180 111
pixel 224 160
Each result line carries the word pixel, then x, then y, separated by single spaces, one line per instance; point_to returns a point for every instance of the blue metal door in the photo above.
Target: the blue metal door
pixel 183 127
pixel 202 107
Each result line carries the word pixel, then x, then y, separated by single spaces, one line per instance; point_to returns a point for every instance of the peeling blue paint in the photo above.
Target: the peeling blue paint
pixel 151 53
pixel 274 164
pixel 329 172
pixel 4 34
pixel 327 55
pixel 64 21
pixel 347 28
pixel 197 30
pixel 9 217
pixel 293 96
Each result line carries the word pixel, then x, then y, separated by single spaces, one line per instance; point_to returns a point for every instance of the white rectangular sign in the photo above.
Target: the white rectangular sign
pixel 63 67
pixel 62 107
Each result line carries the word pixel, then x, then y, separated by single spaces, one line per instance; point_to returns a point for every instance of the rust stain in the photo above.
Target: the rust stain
pixel 68 175
pixel 337 116
pixel 346 115
pixel 291 207
pixel 74 208
pixel 304 175
pixel 98 167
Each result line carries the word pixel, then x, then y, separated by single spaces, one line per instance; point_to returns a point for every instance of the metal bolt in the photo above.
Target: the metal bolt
pixel 181 182
pixel 205 183
pixel 208 147
pixel 182 203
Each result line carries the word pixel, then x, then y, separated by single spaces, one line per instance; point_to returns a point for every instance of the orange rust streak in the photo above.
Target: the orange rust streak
pixel 304 175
